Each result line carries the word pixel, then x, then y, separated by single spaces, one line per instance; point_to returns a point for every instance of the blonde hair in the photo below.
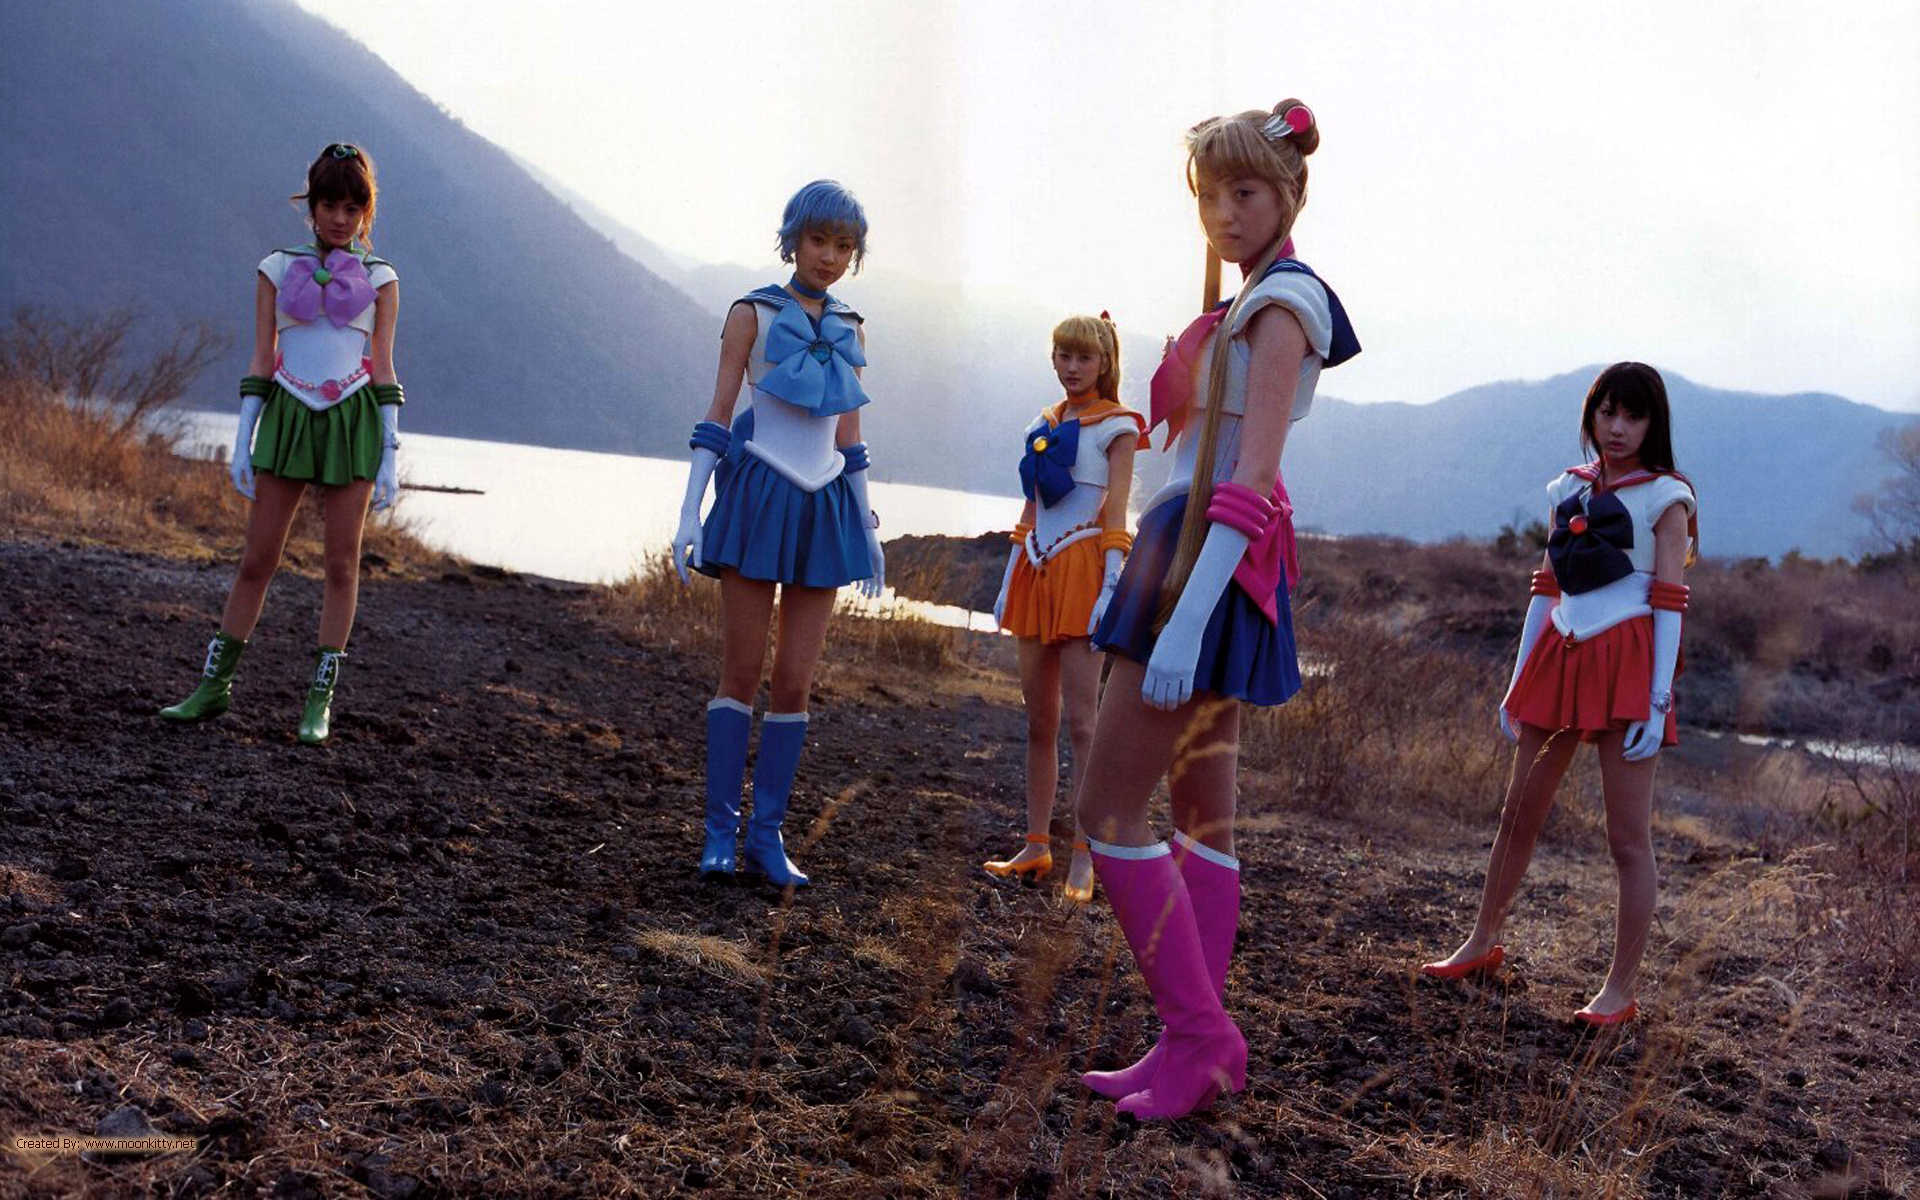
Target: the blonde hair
pixel 1094 335
pixel 1236 147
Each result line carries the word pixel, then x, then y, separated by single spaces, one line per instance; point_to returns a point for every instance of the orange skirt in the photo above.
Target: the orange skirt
pixel 1054 601
pixel 1596 686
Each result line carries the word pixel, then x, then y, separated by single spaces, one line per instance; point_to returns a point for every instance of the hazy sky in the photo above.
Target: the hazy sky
pixel 1730 189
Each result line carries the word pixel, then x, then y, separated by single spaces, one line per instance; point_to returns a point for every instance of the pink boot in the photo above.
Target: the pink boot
pixel 1213 882
pixel 1203 1050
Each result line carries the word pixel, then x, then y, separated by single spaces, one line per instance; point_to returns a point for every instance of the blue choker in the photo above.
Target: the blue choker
pixel 811 293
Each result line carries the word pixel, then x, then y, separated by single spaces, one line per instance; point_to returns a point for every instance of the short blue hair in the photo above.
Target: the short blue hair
pixel 823 204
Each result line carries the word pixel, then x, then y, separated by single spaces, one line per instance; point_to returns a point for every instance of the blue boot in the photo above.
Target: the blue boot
pixel 728 723
pixel 781 736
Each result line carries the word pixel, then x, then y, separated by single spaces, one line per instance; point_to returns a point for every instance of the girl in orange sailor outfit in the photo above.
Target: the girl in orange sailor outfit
pixel 1069 549
pixel 1623 531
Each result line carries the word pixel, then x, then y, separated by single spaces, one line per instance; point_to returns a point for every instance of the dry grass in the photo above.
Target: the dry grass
pixel 76 466
pixel 872 637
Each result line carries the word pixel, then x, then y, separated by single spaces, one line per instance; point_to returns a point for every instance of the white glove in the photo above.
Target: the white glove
pixel 1644 738
pixel 875 583
pixel 1116 562
pixel 1539 609
pixel 1006 582
pixel 686 540
pixel 386 482
pixel 241 466
pixel 1176 654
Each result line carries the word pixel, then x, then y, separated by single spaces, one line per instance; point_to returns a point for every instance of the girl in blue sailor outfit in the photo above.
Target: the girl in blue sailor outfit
pixel 1201 621
pixel 319 407
pixel 1599 649
pixel 790 512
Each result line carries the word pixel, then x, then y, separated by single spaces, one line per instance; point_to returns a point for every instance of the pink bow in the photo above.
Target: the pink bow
pixel 339 285
pixel 1276 552
pixel 1171 391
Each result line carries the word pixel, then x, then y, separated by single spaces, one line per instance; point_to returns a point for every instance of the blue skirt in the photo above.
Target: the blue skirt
pixel 1242 654
pixel 766 527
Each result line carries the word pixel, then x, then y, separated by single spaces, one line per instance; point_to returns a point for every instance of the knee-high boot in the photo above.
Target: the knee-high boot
pixel 1213 884
pixel 1203 1050
pixel 728 724
pixel 781 737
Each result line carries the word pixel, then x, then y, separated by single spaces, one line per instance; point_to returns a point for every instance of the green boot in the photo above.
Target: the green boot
pixel 215 692
pixel 318 716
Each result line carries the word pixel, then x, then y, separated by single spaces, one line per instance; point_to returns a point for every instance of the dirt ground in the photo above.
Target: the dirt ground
pixel 460 950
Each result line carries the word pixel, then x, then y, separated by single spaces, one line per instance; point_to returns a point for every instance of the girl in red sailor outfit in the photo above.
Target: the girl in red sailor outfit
pixel 320 408
pixel 1069 548
pixel 1201 620
pixel 1599 648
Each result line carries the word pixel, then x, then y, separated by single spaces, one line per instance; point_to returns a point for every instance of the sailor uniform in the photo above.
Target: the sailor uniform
pixel 1248 650
pixel 1591 669
pixel 320 422
pixel 783 510
pixel 1060 566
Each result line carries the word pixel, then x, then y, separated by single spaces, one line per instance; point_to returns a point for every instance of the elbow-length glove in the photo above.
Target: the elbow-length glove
pixel 1116 543
pixel 253 398
pixel 709 442
pixel 856 475
pixel 1019 539
pixel 1546 593
pixel 1644 738
pixel 1168 683
pixel 386 482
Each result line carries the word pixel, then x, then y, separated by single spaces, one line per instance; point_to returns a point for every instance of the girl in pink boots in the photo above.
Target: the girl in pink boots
pixel 1200 621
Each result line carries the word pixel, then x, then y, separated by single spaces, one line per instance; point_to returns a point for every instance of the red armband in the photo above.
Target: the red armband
pixel 1667 597
pixel 1544 584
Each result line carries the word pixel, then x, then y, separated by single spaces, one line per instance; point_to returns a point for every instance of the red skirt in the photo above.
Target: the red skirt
pixel 1595 686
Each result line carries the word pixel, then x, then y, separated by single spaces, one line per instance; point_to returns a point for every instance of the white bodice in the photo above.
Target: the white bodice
pixel 1584 614
pixel 313 354
pixel 795 442
pixel 1055 525
pixel 1301 295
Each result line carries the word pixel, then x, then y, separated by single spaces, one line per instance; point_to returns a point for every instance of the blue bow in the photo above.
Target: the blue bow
pixel 1048 463
pixel 1588 546
pixel 813 364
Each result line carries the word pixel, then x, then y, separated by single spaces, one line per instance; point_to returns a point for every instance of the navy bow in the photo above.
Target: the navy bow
pixel 1047 466
pixel 1589 543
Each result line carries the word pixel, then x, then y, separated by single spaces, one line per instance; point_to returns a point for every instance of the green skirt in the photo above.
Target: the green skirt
pixel 333 447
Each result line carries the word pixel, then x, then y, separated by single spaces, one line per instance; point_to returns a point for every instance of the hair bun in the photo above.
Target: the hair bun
pixel 1294 122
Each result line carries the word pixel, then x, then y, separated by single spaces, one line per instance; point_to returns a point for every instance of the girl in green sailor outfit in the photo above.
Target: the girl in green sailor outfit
pixel 319 407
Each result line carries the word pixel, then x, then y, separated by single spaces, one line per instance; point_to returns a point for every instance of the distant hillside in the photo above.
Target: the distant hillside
pixel 1774 473
pixel 150 150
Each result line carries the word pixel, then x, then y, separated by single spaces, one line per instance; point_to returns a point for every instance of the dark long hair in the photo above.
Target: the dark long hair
pixel 1638 388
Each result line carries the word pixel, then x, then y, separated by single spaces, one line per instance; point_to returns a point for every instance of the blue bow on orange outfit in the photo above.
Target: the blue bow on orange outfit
pixel 1589 543
pixel 1047 466
pixel 814 361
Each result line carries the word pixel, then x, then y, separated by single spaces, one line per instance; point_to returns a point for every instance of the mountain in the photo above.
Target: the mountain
pixel 150 151
pixel 1774 473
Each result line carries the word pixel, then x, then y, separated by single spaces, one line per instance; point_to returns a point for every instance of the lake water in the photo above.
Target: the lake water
pixel 592 517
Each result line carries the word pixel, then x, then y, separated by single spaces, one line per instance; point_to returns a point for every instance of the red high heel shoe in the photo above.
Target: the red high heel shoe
pixel 1483 965
pixel 1035 868
pixel 1608 1020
